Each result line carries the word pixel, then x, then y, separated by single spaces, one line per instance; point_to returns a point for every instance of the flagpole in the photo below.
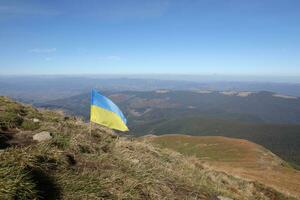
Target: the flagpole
pixel 91 114
pixel 90 129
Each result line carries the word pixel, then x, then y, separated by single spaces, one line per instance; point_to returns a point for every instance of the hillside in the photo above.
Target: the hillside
pixel 235 157
pixel 281 139
pixel 73 164
pixel 265 118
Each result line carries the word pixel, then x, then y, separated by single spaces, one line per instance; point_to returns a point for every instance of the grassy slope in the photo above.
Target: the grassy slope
pixel 77 165
pixel 235 156
pixel 281 139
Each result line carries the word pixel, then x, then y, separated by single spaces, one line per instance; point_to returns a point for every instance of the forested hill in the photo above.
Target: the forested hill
pixel 266 118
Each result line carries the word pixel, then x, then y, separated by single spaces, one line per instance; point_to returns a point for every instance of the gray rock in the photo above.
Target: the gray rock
pixel 224 198
pixel 135 161
pixel 35 120
pixel 42 136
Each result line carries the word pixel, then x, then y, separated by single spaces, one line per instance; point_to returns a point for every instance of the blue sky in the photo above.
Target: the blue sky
pixel 250 37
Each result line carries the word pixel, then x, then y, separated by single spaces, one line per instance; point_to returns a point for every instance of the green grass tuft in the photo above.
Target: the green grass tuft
pixel 29 125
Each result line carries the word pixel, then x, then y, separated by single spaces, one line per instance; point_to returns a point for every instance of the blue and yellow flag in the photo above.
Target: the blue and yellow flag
pixel 105 112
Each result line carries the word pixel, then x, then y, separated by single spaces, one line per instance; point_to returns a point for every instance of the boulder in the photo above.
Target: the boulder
pixel 42 136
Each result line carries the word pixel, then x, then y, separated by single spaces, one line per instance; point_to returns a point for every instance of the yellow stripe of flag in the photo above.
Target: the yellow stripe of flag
pixel 107 118
pixel 105 112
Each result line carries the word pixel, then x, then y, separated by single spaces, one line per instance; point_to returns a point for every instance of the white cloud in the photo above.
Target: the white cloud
pixel 45 50
pixel 26 10
pixel 110 58
pixel 48 58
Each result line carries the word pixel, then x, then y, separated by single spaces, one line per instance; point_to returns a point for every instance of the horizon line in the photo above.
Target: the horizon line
pixel 151 74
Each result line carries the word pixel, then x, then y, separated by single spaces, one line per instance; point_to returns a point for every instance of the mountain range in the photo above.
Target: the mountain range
pixel 266 118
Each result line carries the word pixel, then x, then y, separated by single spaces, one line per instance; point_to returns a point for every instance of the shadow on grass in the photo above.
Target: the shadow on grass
pixel 45 185
pixel 4 140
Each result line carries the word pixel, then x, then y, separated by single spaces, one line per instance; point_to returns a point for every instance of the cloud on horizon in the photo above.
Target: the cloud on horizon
pixel 45 50
pixel 110 10
pixel 110 58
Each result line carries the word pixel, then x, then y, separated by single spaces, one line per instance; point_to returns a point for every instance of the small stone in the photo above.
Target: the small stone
pixel 35 120
pixel 224 198
pixel 135 161
pixel 42 136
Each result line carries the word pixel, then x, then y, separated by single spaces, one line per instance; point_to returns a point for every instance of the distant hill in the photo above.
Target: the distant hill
pixel 73 163
pixel 266 118
pixel 264 107
pixel 38 89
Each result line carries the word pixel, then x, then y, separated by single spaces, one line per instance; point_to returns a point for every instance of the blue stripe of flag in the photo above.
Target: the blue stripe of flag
pixel 101 101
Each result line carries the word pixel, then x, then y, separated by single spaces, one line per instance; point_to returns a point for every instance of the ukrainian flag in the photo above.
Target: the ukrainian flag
pixel 105 112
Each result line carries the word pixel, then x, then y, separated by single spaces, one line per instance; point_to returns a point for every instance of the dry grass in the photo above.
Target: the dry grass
pixel 236 157
pixel 77 165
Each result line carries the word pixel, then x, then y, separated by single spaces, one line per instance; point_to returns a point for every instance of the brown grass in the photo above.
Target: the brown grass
pixel 236 157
